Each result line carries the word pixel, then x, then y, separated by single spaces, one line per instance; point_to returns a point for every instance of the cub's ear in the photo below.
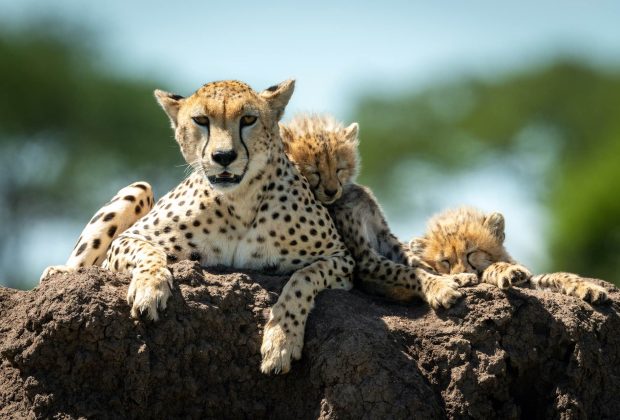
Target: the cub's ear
pixel 277 96
pixel 351 132
pixel 495 223
pixel 170 103
pixel 418 245
pixel 287 137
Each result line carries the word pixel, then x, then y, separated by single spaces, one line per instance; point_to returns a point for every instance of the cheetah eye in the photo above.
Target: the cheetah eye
pixel 446 263
pixel 248 120
pixel 201 120
pixel 478 259
pixel 314 178
pixel 470 259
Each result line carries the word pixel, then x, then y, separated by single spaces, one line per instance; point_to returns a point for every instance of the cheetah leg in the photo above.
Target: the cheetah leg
pixel 151 281
pixel 505 274
pixel 402 282
pixel 283 337
pixel 572 285
pixel 125 208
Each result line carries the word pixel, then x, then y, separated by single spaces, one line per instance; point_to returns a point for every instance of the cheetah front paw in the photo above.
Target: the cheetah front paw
pixel 55 269
pixel 442 292
pixel 148 292
pixel 279 348
pixel 590 292
pixel 505 275
pixel 465 279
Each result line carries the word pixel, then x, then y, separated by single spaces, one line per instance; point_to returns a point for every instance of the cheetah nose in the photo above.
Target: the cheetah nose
pixel 224 157
pixel 330 193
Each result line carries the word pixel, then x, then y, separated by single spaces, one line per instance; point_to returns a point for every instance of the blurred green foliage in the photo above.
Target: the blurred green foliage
pixel 69 132
pixel 567 111
pixel 72 133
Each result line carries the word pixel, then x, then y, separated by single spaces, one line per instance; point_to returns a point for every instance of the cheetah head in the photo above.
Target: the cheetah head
pixel 462 240
pixel 226 130
pixel 324 151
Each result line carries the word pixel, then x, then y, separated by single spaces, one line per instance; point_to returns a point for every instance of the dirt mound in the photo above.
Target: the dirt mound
pixel 69 349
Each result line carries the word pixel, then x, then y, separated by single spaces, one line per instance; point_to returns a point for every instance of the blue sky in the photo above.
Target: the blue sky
pixel 337 51
pixel 334 49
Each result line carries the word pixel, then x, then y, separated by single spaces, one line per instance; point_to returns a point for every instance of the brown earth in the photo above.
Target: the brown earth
pixel 68 349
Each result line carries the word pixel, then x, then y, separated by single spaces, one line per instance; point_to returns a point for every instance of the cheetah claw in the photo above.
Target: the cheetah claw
pixel 442 293
pixel 279 349
pixel 592 293
pixel 466 279
pixel 149 292
pixel 55 269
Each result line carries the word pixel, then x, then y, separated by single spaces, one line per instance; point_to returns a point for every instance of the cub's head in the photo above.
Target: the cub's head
pixel 463 240
pixel 324 151
pixel 226 130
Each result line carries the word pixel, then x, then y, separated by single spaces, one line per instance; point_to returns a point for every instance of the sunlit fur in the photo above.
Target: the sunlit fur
pixel 465 240
pixel 224 105
pixel 326 154
pixel 324 151
pixel 245 205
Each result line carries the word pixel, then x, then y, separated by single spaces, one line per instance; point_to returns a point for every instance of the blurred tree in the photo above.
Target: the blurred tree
pixel 558 123
pixel 59 107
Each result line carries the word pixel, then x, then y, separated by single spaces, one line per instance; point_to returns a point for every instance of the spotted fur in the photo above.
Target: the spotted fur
pixel 245 206
pixel 465 240
pixel 326 154
pixel 122 211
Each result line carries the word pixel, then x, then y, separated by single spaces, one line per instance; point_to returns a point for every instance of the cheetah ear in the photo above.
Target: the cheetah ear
pixel 418 245
pixel 285 132
pixel 495 223
pixel 278 96
pixel 287 136
pixel 170 103
pixel 350 133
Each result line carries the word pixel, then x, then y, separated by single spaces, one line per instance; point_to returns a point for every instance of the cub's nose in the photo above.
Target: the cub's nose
pixel 330 193
pixel 224 157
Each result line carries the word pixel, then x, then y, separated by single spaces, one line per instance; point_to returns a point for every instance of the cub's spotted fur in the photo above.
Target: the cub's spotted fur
pixel 466 240
pixel 326 154
pixel 125 208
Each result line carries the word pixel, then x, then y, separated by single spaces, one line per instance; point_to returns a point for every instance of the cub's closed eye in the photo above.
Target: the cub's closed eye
pixel 201 120
pixel 248 120
pixel 314 178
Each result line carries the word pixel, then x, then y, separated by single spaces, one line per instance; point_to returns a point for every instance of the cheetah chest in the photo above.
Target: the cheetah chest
pixel 281 230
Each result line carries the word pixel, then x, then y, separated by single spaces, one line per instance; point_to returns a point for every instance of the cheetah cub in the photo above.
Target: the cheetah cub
pixel 326 154
pixel 465 240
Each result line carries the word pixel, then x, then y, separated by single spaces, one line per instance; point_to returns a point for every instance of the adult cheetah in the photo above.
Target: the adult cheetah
pixel 244 206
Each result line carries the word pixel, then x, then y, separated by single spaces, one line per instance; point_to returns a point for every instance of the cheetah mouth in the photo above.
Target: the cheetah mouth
pixel 225 178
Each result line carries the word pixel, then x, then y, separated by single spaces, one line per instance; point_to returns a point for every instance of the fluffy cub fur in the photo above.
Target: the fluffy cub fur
pixel 326 154
pixel 465 240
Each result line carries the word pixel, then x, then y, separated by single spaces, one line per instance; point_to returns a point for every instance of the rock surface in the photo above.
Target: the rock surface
pixel 68 349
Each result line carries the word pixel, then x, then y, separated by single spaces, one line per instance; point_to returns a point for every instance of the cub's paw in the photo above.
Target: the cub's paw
pixel 442 292
pixel 280 347
pixel 55 269
pixel 465 279
pixel 506 275
pixel 149 291
pixel 590 292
